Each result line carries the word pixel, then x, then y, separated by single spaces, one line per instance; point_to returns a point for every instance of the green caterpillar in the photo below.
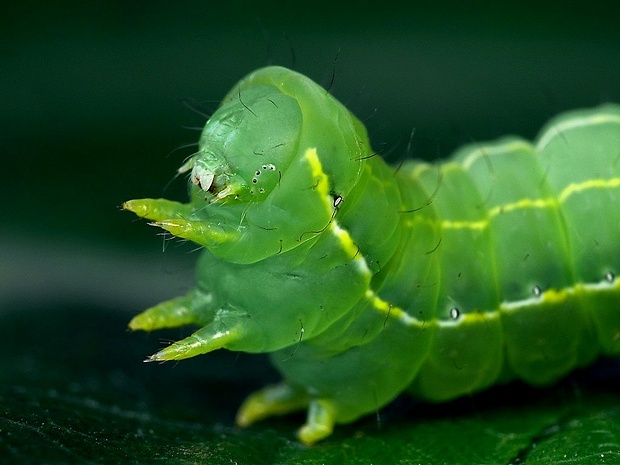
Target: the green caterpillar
pixel 364 281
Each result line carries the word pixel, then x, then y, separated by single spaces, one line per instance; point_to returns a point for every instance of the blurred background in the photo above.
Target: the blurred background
pixel 98 102
pixel 95 108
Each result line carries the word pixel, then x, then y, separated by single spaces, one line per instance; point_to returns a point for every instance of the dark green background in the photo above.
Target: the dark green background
pixel 92 114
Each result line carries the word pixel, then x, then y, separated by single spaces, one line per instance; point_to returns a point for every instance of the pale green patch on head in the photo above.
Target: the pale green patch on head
pixel 246 145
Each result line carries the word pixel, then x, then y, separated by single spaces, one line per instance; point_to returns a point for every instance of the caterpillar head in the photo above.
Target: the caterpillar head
pixel 246 147
pixel 273 162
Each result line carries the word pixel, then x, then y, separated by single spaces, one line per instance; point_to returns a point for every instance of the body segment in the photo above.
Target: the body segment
pixel 364 281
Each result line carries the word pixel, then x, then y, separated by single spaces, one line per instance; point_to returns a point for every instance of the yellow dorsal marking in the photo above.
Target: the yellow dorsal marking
pixel 478 225
pixel 558 128
pixel 522 205
pixel 549 202
pixel 589 184
pixel 499 149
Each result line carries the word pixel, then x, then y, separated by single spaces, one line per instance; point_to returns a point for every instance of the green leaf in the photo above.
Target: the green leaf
pixel 73 389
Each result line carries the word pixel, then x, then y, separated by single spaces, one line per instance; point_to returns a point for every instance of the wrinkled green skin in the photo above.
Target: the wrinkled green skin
pixel 364 281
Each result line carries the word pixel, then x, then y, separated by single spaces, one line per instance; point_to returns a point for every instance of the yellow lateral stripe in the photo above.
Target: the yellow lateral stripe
pixel 398 314
pixel 350 248
pixel 556 296
pixel 550 296
pixel 316 168
pixel 343 236
pixel 391 311
pixel 345 240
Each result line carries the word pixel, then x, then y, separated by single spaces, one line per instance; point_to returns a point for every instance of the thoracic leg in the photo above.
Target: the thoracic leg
pixel 284 398
pixel 278 399
pixel 169 314
pixel 320 421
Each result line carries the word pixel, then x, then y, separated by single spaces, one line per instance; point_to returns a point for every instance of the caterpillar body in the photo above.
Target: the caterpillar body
pixel 365 281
